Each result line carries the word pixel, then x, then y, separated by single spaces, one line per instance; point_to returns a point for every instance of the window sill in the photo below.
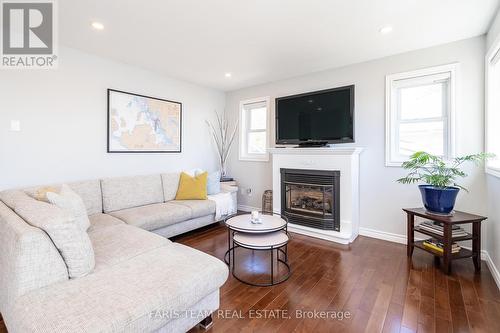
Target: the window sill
pixel 492 171
pixel 393 164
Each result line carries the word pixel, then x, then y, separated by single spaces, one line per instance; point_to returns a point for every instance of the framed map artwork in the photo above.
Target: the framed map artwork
pixel 143 124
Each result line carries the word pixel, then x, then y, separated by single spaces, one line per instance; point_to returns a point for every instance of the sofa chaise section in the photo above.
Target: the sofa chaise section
pixel 117 243
pixel 141 294
pixel 141 281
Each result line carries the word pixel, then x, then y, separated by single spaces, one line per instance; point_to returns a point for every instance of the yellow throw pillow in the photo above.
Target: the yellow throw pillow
pixel 192 188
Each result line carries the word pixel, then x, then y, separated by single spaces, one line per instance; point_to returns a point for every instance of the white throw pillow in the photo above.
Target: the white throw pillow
pixel 213 183
pixel 72 203
pixel 72 242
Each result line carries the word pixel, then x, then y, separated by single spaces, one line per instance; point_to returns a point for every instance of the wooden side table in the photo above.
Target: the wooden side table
pixel 447 239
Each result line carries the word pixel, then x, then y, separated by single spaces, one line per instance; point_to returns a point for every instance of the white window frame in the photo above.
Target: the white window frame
pixel 392 111
pixel 244 155
pixel 492 56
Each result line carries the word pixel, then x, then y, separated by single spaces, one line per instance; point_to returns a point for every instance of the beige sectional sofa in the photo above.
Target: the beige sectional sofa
pixel 142 282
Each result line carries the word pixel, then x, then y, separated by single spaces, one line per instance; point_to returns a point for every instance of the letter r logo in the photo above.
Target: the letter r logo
pixel 27 28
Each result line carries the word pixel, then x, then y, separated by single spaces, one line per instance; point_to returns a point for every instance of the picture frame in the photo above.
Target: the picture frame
pixel 142 124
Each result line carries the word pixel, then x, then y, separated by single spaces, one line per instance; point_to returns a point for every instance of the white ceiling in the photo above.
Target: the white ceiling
pixel 263 40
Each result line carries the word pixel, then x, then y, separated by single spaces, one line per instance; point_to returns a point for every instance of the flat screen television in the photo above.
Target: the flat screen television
pixel 316 118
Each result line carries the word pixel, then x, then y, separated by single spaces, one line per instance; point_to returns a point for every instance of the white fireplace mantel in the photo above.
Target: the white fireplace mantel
pixel 317 151
pixel 343 159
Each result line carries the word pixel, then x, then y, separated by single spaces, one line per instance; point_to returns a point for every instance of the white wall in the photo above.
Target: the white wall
pixel 493 185
pixel 381 197
pixel 63 121
pixel 494 31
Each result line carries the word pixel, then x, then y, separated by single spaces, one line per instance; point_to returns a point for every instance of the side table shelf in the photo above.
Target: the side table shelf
pixel 447 239
pixel 437 236
pixel 463 253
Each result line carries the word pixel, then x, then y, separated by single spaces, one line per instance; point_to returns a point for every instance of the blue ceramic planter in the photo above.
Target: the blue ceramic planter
pixel 437 199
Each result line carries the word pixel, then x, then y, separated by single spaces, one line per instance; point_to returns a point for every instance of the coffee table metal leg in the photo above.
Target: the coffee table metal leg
pixel 272 266
pixel 229 246
pixel 234 251
pixel 234 257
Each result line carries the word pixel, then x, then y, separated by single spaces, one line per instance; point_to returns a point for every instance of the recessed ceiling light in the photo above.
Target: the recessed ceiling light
pixel 97 25
pixel 385 29
pixel 228 75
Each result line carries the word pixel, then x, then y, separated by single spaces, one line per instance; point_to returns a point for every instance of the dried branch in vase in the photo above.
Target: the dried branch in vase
pixel 223 135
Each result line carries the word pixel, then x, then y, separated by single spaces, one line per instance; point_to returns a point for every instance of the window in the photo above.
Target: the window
pixel 254 129
pixel 492 118
pixel 419 113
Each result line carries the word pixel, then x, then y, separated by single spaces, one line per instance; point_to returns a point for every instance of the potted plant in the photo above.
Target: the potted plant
pixel 440 189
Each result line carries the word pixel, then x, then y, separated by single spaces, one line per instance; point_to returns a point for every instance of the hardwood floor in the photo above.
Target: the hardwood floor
pixel 2 325
pixel 372 280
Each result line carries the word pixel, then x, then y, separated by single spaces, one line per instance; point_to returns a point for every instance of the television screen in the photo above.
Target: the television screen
pixel 323 116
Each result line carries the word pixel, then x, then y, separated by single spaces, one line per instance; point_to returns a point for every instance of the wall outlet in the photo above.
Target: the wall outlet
pixel 15 125
pixel 246 191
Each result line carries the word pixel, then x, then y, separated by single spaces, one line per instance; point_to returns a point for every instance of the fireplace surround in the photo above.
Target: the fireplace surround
pixel 311 198
pixel 343 159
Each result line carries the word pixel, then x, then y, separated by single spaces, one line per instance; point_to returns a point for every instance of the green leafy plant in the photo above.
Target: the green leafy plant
pixel 433 170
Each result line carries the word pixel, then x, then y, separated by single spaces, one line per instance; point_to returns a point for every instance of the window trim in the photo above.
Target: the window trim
pixel 244 131
pixel 453 69
pixel 493 52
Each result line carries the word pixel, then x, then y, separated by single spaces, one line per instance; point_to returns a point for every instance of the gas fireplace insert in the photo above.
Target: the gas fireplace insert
pixel 311 198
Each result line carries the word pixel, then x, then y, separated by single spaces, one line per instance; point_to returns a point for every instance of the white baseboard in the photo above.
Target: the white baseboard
pixel 329 235
pixel 383 235
pixel 246 208
pixel 491 265
pixel 401 239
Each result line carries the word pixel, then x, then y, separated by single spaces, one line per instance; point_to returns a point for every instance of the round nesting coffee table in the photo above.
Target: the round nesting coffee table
pixel 269 235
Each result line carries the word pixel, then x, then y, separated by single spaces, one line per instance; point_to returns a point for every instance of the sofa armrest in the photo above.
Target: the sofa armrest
pixel 28 259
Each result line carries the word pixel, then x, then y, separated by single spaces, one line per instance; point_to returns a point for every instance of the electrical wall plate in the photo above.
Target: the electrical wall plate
pixel 15 125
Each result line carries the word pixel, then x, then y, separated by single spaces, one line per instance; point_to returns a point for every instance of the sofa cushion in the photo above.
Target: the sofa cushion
pixel 170 183
pixel 154 216
pixel 89 191
pixel 71 203
pixel 122 298
pixel 127 192
pixel 117 243
pixel 101 220
pixel 72 242
pixel 198 207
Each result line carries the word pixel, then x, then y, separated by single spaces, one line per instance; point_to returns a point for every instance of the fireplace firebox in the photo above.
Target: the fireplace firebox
pixel 311 198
